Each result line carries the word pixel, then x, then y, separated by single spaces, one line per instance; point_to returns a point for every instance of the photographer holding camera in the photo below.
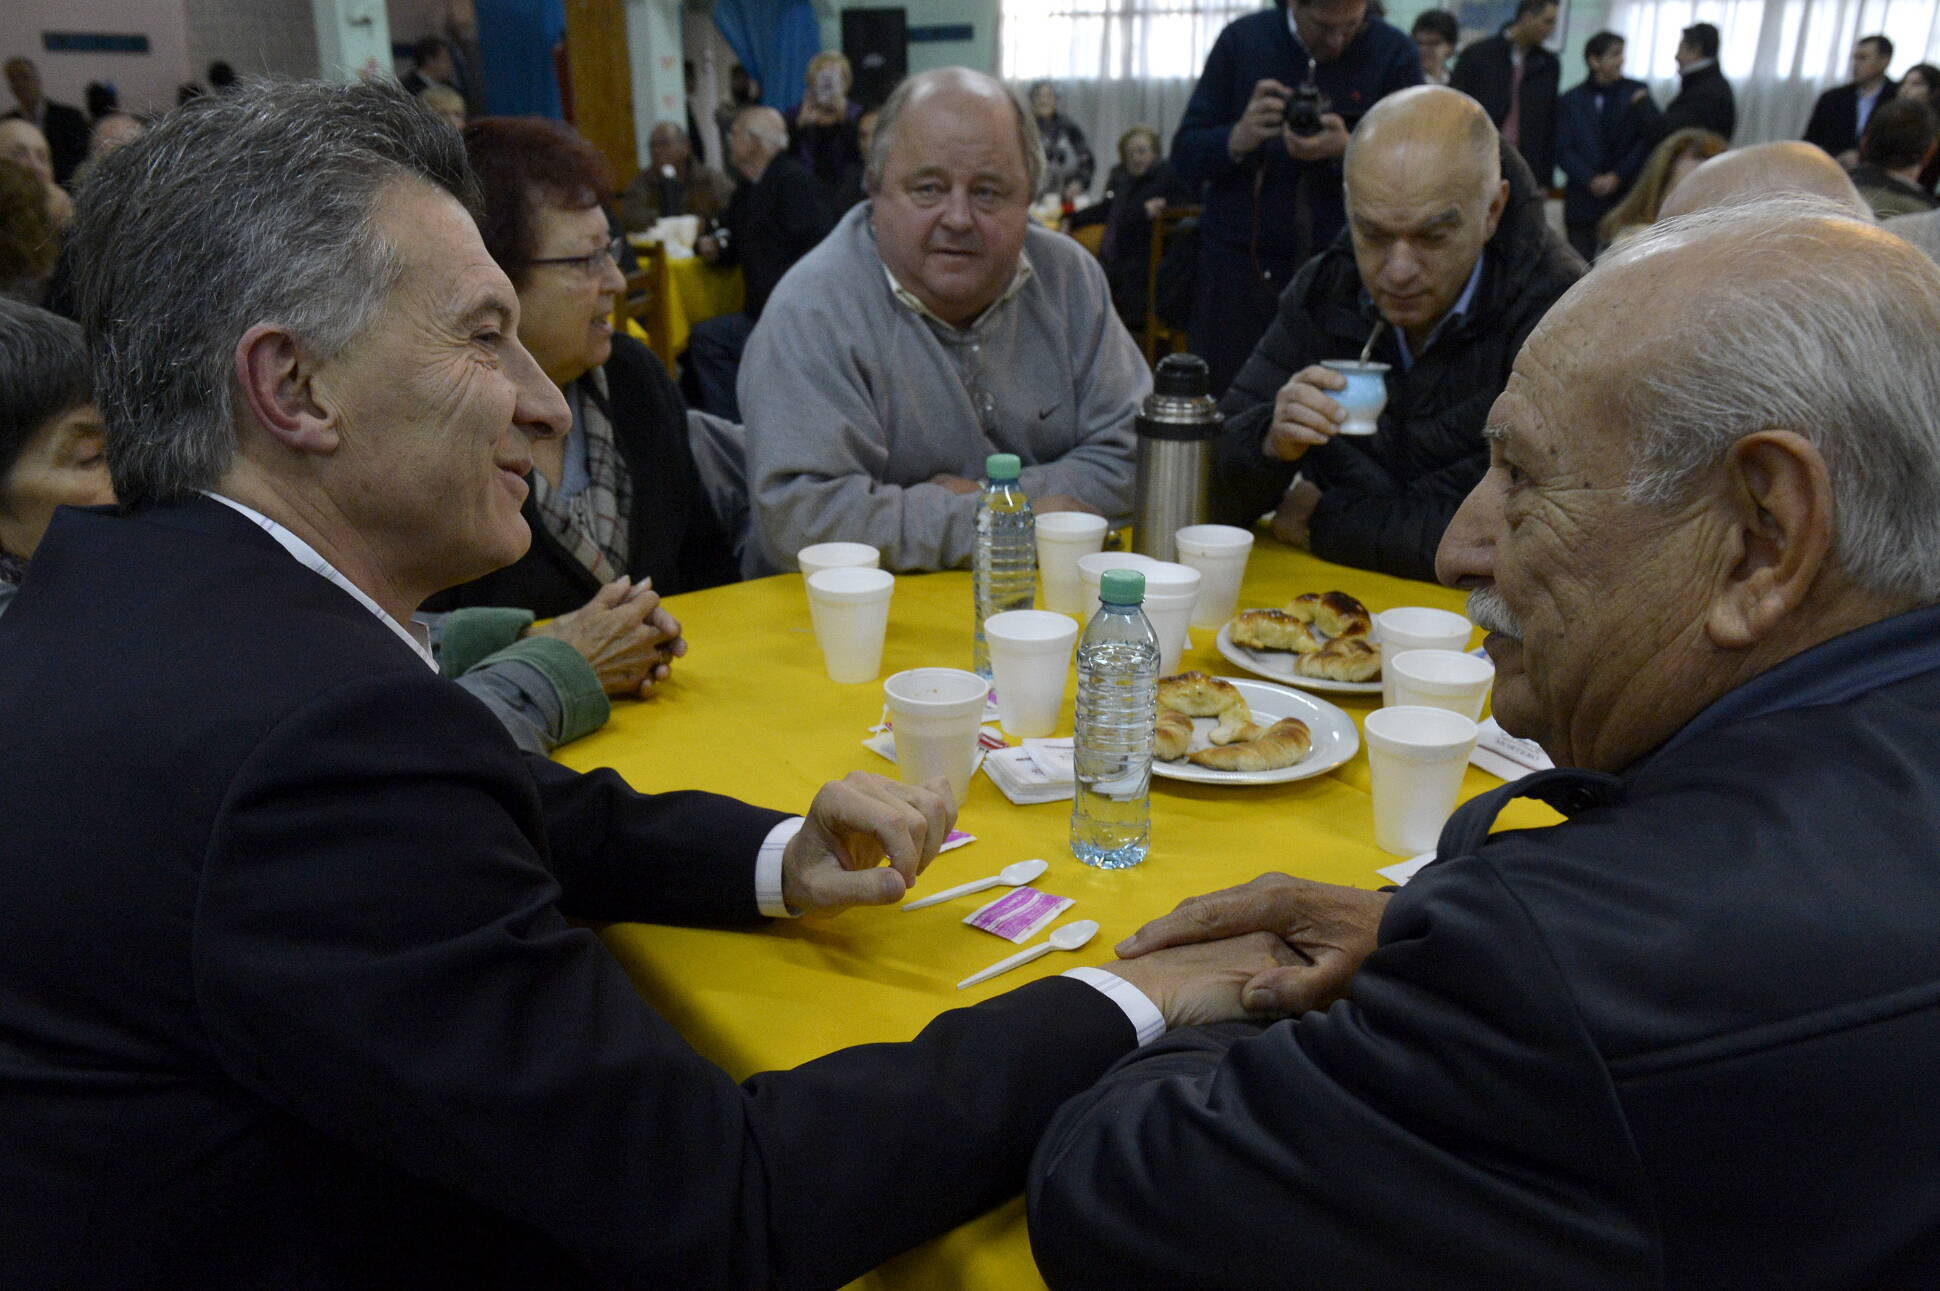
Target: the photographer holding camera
pixel 1263 136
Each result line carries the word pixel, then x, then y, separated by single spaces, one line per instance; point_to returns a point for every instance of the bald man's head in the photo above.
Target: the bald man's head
pixel 968 88
pixel 1760 171
pixel 1424 194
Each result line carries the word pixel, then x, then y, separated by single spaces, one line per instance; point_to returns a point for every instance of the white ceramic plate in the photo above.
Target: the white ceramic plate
pixel 1335 739
pixel 1277 665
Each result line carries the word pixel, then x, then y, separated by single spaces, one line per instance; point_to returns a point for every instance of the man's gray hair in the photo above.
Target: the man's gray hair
pixel 765 124
pixel 1802 340
pixel 238 209
pixel 888 118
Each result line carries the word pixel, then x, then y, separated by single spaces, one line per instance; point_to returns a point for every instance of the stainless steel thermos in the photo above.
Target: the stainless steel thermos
pixel 1177 430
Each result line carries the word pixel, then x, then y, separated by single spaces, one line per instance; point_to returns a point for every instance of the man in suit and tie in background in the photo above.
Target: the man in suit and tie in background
pixel 1603 137
pixel 1839 117
pixel 66 129
pixel 1704 98
pixel 1515 78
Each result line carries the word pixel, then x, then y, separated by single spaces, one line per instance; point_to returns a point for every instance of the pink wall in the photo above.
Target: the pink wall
pixel 145 80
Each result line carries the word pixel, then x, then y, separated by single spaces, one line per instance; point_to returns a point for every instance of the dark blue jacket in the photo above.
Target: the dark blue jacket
pixel 1380 61
pixel 1684 1040
pixel 1593 139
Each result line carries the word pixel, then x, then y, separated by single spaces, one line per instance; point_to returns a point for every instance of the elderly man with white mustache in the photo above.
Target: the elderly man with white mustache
pixel 1686 1037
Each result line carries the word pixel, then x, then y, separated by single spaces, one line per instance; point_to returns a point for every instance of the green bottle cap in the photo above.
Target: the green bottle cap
pixel 1121 587
pixel 1002 466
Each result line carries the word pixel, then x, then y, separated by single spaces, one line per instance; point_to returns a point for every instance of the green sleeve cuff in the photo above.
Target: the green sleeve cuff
pixel 467 636
pixel 582 700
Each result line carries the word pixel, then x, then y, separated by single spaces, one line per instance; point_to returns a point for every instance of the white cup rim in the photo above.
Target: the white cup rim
pixel 1214 534
pixel 1438 670
pixel 847 552
pixel 1097 562
pixel 846 584
pixel 1419 733
pixel 1070 524
pixel 1030 628
pixel 963 689
pixel 1433 621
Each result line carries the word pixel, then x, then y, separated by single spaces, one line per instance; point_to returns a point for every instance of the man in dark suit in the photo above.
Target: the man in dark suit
pixel 1704 98
pixel 1604 130
pixel 1515 78
pixel 65 128
pixel 1686 1037
pixel 288 988
pixel 778 214
pixel 1839 117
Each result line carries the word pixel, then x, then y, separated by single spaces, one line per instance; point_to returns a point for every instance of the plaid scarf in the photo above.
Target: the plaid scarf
pixel 592 524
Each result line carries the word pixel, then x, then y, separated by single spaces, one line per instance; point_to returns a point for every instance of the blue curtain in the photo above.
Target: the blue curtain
pixel 774 39
pixel 515 43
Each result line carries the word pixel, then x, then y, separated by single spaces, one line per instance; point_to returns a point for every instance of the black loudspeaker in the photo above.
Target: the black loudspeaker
pixel 876 42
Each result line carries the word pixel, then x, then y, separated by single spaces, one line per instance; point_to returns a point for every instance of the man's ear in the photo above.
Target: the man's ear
pixel 1779 503
pixel 1497 206
pixel 276 375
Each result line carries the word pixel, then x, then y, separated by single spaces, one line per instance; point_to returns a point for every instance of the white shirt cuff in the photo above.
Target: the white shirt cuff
pixel 767 869
pixel 1137 1007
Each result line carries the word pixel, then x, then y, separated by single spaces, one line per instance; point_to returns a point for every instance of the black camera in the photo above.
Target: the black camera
pixel 1304 107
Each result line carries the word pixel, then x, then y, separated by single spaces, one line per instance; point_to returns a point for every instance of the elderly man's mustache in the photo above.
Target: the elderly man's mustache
pixel 1488 611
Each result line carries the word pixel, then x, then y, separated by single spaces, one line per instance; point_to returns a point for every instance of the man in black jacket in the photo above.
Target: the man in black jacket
pixel 1839 117
pixel 1515 78
pixel 1687 1037
pixel 777 215
pixel 1448 262
pixel 288 988
pixel 1704 98
pixel 64 126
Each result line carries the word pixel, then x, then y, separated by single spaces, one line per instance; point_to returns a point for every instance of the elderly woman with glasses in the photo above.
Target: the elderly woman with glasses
pixel 618 497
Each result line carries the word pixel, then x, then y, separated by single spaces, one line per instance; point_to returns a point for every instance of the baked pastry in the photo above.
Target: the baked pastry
pixel 1173 734
pixel 1196 695
pixel 1274 630
pixel 1334 614
pixel 1346 659
pixel 1283 744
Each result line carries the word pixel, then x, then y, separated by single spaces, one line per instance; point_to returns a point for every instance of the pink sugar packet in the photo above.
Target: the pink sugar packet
pixel 956 838
pixel 1019 914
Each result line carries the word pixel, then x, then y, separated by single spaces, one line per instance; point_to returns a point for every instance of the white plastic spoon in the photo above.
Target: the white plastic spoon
pixel 1069 937
pixel 1016 876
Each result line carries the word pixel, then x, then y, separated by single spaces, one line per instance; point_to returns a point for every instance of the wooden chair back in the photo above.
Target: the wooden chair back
pixel 1161 339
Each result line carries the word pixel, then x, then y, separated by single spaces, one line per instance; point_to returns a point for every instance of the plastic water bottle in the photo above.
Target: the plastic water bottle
pixel 1003 565
pixel 1118 690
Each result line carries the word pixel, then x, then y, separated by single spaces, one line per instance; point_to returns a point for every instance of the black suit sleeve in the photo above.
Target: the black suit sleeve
pixel 1368 518
pixel 1452 1126
pixel 379 952
pixel 1823 129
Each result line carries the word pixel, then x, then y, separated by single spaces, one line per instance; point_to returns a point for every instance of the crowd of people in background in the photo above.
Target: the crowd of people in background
pixel 346 407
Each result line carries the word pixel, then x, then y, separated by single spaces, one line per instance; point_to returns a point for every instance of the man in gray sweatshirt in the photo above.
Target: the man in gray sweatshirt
pixel 934 326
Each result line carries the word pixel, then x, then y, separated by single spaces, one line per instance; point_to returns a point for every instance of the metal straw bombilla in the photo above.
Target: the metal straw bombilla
pixel 1177 427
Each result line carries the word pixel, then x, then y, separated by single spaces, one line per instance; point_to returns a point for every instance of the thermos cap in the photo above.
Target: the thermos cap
pixel 1121 587
pixel 1002 466
pixel 1181 375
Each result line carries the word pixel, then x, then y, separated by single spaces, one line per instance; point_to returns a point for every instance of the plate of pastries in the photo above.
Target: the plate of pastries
pixel 1318 641
pixel 1232 731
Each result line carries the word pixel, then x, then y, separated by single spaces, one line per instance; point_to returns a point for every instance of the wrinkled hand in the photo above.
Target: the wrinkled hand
pixel 1265 113
pixel 1330 929
pixel 1062 502
pixel 1154 207
pixel 1293 518
pixel 625 633
pixel 1199 982
pixel 1329 144
pixel 1603 185
pixel 1303 414
pixel 856 823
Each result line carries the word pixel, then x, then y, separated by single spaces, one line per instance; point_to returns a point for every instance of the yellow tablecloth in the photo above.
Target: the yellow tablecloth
pixel 694 291
pixel 751 713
